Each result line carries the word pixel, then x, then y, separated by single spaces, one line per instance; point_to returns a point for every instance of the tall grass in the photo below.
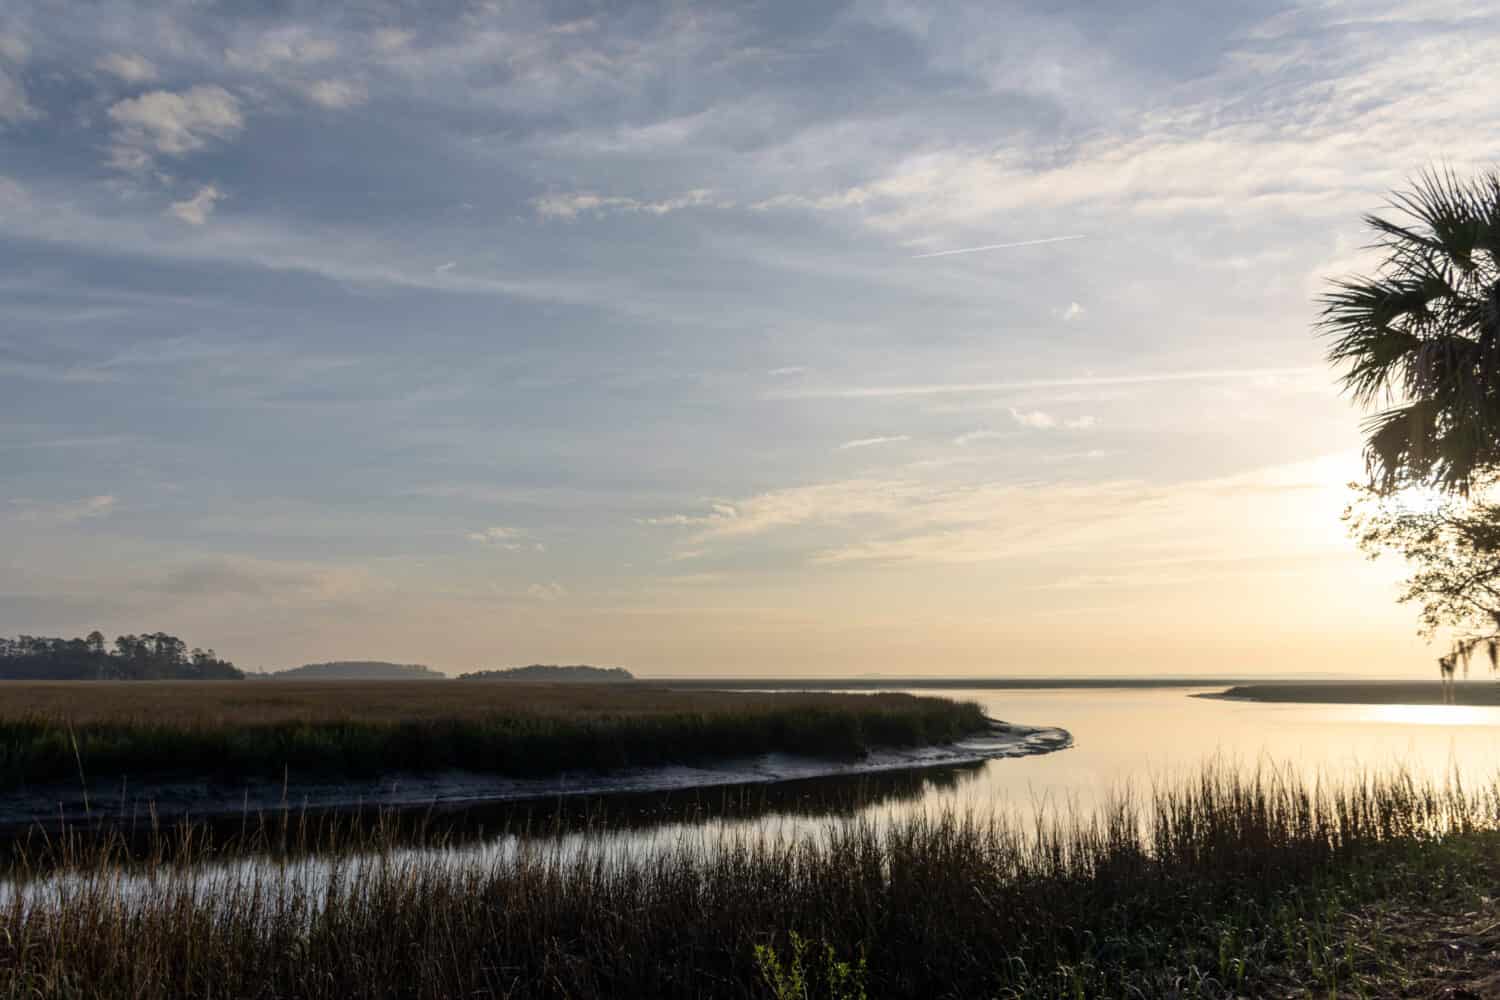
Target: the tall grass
pixel 1229 885
pixel 346 731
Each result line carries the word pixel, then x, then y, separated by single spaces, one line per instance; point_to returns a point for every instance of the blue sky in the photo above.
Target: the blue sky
pixel 478 334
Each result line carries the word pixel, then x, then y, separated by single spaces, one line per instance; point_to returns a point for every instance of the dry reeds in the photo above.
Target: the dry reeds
pixel 1204 888
pixel 141 730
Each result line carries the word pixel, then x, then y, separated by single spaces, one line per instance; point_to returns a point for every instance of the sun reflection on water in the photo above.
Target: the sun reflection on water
pixel 1433 715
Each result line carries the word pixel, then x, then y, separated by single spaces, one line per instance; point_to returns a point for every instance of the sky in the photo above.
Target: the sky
pixel 632 334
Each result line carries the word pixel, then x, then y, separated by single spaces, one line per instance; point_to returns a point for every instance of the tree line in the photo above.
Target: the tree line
pixel 150 656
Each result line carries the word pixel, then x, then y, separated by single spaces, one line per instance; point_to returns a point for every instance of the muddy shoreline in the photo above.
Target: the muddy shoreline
pixel 128 805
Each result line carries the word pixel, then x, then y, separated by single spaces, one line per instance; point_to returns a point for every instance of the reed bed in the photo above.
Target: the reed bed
pixel 142 730
pixel 1227 885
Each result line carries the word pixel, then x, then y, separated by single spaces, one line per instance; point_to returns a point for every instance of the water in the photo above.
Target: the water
pixel 1140 736
pixel 1121 738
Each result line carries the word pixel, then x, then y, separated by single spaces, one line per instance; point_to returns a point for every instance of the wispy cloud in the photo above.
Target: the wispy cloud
pixel 1034 419
pixel 794 506
pixel 871 442
pixel 953 388
pixel 196 210
pixel 41 371
pixel 336 95
pixel 499 537
pixel 172 123
pixel 547 592
pixel 15 105
pixel 65 512
pixel 571 206
pixel 128 66
pixel 276 582
pixel 292 45
pixel 1039 420
pixel 982 434
pixel 997 246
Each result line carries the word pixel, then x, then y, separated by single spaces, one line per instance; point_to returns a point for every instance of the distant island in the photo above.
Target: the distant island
pixel 551 674
pixel 1368 692
pixel 356 670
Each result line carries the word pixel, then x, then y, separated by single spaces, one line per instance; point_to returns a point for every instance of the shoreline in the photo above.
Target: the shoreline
pixel 1466 693
pixel 835 684
pixel 111 804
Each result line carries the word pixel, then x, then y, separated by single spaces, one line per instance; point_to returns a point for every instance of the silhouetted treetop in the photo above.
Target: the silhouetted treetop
pixel 149 656
pixel 1421 335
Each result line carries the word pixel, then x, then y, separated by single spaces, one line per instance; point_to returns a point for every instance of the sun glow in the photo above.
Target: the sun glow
pixel 1434 715
pixel 1420 500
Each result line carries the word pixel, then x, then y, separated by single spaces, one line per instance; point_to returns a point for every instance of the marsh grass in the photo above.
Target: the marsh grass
pixel 55 732
pixel 1229 885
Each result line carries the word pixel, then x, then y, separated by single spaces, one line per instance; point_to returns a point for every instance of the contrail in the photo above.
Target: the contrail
pixel 999 246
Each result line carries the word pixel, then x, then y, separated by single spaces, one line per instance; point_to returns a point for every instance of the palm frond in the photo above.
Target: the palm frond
pixel 1423 333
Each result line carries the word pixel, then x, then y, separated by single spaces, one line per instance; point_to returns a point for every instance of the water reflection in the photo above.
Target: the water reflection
pixel 458 827
pixel 1135 738
pixel 1431 715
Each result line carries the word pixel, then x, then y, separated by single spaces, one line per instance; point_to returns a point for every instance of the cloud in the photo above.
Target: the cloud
pixel 15 105
pixel 292 583
pixel 282 47
pixel 128 66
pixel 960 388
pixel 336 95
pixel 718 511
pixel 390 40
pixel 900 521
pixel 67 512
pixel 196 210
pixel 799 505
pixel 1034 419
pixel 969 437
pixel 1305 122
pixel 871 442
pixel 571 206
pixel 547 591
pixel 172 123
pixel 851 198
pixel 1278 511
pixel 500 537
pixel 445 268
pixel 996 246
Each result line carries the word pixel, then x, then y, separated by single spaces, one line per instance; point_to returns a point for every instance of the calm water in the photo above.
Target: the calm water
pixel 1139 736
pixel 1121 738
pixel 1128 738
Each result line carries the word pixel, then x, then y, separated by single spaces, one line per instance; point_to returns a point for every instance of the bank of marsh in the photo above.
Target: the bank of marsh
pixel 59 732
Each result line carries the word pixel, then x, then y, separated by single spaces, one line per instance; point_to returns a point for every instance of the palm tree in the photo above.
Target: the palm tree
pixel 1421 337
